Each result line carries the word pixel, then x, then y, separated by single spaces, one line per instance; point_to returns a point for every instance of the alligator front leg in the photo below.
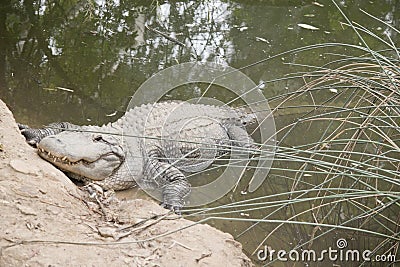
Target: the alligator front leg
pixel 33 136
pixel 175 191
pixel 241 138
pixel 173 183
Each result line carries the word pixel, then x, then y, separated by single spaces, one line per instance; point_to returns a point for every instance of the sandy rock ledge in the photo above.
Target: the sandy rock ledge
pixel 47 221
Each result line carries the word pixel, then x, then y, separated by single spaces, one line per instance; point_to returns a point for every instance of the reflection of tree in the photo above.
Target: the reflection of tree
pixel 4 43
pixel 71 44
pixel 90 47
pixel 207 28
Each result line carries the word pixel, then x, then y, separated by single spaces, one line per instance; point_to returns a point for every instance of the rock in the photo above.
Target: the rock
pixel 26 210
pixel 23 166
pixel 51 209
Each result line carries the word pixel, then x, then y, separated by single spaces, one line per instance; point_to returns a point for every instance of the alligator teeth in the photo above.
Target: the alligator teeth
pixel 63 160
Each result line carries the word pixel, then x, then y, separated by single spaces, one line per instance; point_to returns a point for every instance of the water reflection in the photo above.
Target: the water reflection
pixel 102 51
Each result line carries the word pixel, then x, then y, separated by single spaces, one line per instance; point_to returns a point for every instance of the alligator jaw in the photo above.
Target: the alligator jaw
pixel 60 160
pixel 97 170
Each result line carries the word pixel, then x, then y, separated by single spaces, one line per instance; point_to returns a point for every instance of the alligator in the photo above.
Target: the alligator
pixel 152 143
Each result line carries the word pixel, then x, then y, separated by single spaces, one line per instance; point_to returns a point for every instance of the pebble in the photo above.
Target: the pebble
pixel 22 166
pixel 26 210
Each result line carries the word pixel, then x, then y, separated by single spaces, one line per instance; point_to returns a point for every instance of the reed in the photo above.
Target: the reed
pixel 342 180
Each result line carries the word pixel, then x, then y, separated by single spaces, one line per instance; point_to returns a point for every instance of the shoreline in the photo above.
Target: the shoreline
pixel 48 221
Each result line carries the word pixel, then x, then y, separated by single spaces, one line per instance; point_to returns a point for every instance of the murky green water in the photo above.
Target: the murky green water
pixel 81 61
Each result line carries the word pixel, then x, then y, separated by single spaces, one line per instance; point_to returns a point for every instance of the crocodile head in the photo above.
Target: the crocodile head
pixel 90 155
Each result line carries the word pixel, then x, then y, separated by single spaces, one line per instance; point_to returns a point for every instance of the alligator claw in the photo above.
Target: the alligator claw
pixel 22 126
pixel 30 135
pixel 94 189
pixel 175 209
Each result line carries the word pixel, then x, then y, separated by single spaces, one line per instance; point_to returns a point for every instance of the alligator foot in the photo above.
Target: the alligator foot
pixel 31 135
pixel 34 136
pixel 22 126
pixel 94 190
pixel 175 209
pixel 174 193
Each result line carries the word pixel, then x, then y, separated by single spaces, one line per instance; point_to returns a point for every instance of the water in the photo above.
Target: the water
pixel 82 61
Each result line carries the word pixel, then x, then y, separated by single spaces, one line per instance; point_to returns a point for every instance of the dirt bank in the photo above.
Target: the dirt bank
pixel 47 221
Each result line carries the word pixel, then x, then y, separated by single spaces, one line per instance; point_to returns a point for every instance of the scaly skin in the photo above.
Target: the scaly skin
pixel 151 144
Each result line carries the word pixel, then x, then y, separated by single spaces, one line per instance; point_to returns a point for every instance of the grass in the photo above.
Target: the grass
pixel 342 180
